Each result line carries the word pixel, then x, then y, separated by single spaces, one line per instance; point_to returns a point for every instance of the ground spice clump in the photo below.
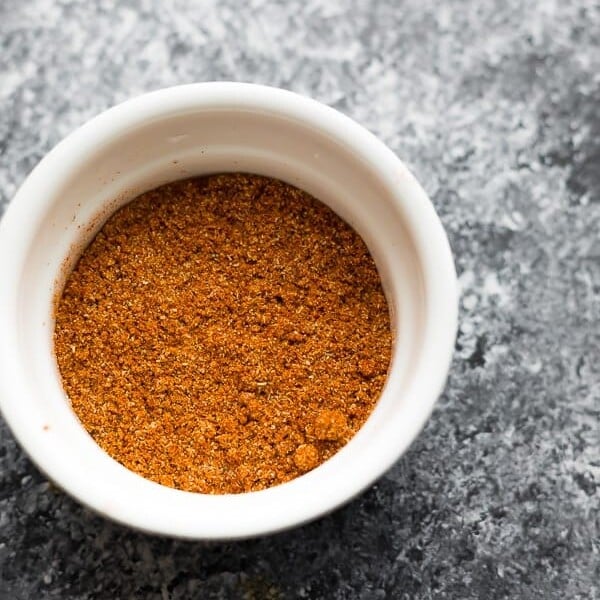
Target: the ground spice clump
pixel 223 334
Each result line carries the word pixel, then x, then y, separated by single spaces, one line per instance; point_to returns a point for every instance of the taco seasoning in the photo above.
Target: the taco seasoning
pixel 223 334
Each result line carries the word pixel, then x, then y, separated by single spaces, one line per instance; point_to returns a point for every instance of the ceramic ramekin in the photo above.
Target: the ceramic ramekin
pixel 191 130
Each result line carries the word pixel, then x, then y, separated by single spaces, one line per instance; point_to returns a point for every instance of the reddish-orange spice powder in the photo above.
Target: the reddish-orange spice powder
pixel 223 334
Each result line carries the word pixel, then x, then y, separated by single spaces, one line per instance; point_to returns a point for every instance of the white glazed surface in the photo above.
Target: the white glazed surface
pixel 192 130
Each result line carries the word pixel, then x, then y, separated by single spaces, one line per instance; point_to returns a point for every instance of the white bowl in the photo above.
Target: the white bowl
pixel 191 130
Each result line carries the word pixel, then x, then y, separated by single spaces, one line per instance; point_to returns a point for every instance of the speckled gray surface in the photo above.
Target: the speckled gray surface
pixel 496 108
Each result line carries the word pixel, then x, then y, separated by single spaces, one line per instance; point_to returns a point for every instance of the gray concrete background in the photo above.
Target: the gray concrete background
pixel 496 108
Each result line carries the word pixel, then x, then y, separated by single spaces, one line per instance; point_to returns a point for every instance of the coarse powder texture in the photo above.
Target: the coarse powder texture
pixel 223 334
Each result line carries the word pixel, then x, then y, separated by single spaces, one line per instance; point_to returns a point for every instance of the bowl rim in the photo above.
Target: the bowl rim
pixel 423 222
